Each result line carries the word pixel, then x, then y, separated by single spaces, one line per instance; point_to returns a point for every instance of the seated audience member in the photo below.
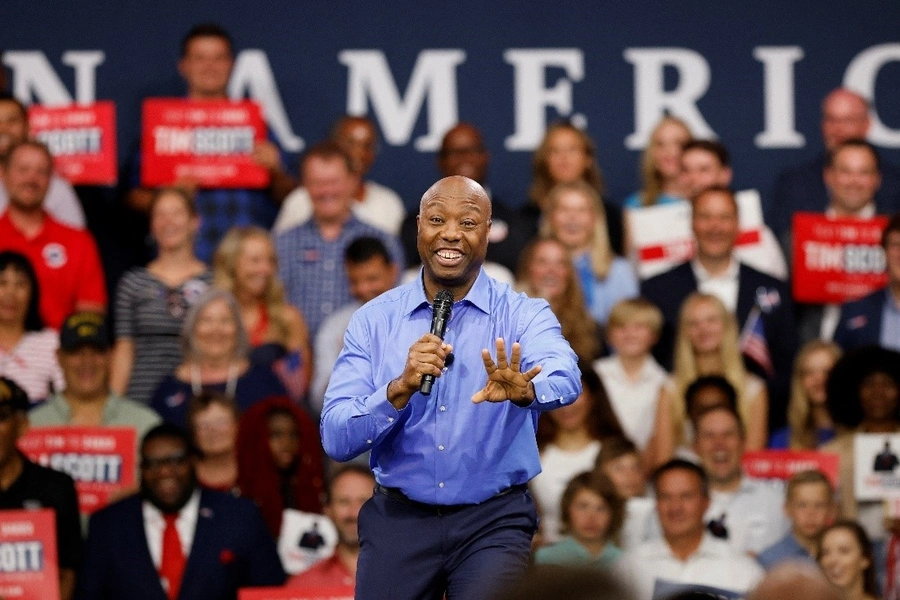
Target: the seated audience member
pixel 845 116
pixel 591 516
pixel 707 344
pixel 349 488
pixel 567 154
pixel 863 397
pixel 569 439
pixel 27 485
pixel 86 399
pixel 27 350
pixel 310 254
pixel 371 273
pixel 245 265
pixel 463 153
pixel 809 506
pixel 574 215
pixel 546 271
pixel 373 203
pixel 747 513
pixel 215 349
pixel 151 301
pixel 686 553
pixel 809 423
pixel 68 268
pixel 875 319
pixel 631 376
pixel 620 461
pixel 280 460
pixel 61 202
pixel 174 539
pixel 716 270
pixel 845 555
pixel 213 426
pixel 661 181
pixel 207 58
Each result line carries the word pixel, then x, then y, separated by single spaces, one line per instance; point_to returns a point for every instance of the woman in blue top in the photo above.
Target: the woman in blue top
pixel 661 165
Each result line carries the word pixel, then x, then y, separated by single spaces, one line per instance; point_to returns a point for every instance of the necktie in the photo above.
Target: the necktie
pixel 171 566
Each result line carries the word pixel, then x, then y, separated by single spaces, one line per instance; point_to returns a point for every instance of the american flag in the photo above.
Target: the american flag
pixel 753 342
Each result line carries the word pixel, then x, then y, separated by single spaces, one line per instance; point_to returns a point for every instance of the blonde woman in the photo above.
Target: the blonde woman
pixel 706 344
pixel 575 216
pixel 809 422
pixel 245 264
pixel 661 165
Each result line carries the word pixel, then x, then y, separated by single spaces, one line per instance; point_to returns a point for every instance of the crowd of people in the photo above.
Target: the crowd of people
pixel 220 353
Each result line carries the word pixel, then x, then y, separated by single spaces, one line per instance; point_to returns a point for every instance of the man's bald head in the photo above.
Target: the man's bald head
pixel 457 187
pixel 845 116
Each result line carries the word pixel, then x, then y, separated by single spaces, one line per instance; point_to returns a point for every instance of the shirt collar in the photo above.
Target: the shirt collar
pixel 702 275
pixel 866 212
pixel 151 513
pixel 479 295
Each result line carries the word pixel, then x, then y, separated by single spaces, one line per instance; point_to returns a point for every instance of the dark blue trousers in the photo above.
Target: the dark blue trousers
pixel 410 551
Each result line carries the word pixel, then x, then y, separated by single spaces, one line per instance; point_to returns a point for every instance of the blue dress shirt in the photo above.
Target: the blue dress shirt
pixel 443 449
pixel 788 548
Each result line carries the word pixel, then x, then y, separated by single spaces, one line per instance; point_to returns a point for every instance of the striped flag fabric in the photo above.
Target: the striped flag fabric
pixel 753 342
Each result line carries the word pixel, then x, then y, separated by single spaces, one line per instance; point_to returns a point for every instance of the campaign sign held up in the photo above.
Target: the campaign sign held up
pixel 101 460
pixel 784 464
pixel 876 474
pixel 836 260
pixel 81 138
pixel 28 565
pixel 210 142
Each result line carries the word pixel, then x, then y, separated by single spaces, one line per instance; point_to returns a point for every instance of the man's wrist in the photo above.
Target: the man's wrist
pixel 528 398
pixel 396 394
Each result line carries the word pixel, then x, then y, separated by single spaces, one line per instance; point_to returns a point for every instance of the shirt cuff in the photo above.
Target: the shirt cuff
pixel 381 409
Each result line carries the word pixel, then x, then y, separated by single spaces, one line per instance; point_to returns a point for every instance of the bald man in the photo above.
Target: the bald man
pixel 451 513
pixel 845 116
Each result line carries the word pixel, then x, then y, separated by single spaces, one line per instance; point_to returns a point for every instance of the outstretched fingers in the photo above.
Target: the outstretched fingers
pixel 489 364
pixel 532 373
pixel 501 354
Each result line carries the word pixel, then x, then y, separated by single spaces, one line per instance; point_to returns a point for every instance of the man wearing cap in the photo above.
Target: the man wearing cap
pixel 86 400
pixel 26 485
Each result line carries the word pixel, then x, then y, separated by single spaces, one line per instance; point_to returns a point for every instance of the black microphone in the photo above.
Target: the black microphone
pixel 443 306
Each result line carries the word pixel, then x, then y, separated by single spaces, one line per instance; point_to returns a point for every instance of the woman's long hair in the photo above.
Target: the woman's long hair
pixel 20 263
pixel 870 586
pixel 651 178
pixel 542 181
pixel 799 415
pixel 601 254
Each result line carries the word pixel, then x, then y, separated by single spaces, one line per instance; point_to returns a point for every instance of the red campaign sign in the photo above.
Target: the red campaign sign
pixel 836 260
pixel 28 559
pixel 211 142
pixel 337 592
pixel 101 460
pixel 82 139
pixel 783 464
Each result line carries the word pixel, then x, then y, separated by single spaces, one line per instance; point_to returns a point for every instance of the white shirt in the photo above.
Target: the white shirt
pixel 381 207
pixel 155 526
pixel 724 286
pixel 754 514
pixel 558 467
pixel 634 402
pixel 641 522
pixel 328 344
pixel 714 564
pixel 61 202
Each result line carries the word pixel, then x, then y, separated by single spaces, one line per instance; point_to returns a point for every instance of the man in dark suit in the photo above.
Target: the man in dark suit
pixel 875 319
pixel 174 540
pixel 741 288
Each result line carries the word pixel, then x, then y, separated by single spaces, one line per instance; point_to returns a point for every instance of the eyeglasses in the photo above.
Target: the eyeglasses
pixel 151 463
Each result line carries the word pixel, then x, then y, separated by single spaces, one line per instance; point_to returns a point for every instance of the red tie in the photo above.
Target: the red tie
pixel 171 567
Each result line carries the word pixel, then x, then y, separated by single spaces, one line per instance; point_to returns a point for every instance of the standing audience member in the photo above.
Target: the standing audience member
pixel 809 423
pixel 351 485
pixel 245 265
pixel 569 439
pixel 27 350
pixel 151 301
pixel 66 261
pixel 631 376
pixel 661 181
pixel 809 505
pixel 310 254
pixel 686 553
pixel 845 555
pixel 591 513
pixel 620 461
pixel 875 319
pixel 61 201
pixel 174 539
pixel 373 203
pixel 212 423
pixel 280 460
pixel 215 350
pixel 574 215
pixel 546 271
pixel 371 273
pixel 27 485
pixel 86 399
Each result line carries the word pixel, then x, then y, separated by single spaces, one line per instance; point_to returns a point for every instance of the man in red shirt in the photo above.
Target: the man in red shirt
pixel 351 485
pixel 65 260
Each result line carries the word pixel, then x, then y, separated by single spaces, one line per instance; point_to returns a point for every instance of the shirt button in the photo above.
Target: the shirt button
pixel 443 408
pixel 328 265
pixel 543 397
pixel 441 484
pixel 390 419
pixel 441 447
pixel 368 441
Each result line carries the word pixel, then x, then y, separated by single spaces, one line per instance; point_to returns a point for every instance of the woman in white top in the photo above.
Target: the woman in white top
pixel 569 440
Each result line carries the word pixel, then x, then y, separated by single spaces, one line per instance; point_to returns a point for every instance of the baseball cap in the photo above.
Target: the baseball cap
pixel 11 393
pixel 84 329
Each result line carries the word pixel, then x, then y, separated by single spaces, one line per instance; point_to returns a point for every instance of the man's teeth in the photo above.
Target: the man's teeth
pixel 448 254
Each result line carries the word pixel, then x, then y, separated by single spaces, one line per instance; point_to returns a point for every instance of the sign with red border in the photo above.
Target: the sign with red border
pixel 783 464
pixel 28 555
